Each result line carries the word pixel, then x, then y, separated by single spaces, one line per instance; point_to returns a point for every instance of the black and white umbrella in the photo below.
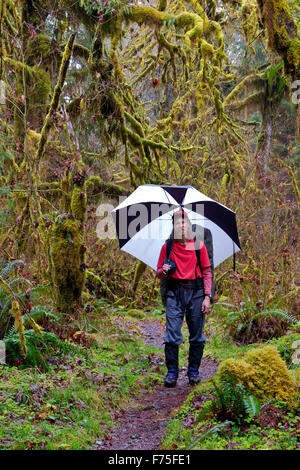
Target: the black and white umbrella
pixel 144 221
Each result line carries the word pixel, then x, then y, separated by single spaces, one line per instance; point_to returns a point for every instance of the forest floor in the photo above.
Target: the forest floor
pixel 143 424
pixel 109 394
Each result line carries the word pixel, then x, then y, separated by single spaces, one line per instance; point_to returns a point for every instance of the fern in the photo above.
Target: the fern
pixel 238 395
pixel 8 267
pixel 14 288
pixel 39 348
pixel 39 312
pixel 277 313
pixel 249 323
pixel 40 290
pixel 214 430
pixel 232 399
pixel 252 405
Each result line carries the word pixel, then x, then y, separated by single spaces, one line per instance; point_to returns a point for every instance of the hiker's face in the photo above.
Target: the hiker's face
pixel 181 229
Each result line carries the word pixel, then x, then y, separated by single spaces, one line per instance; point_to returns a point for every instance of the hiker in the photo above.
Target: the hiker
pixel 188 293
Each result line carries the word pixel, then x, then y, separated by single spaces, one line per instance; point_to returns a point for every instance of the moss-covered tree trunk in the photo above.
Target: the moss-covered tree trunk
pixel 283 38
pixel 67 250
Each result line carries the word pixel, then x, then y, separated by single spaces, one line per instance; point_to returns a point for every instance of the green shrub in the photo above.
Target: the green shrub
pixel 262 372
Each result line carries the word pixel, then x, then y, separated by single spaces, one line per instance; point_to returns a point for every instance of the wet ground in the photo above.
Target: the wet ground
pixel 143 424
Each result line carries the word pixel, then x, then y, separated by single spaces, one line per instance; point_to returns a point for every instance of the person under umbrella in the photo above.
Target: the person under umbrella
pixel 143 221
pixel 188 293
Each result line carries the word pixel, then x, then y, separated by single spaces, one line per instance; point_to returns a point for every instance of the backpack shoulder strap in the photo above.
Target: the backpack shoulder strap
pixel 169 247
pixel 197 244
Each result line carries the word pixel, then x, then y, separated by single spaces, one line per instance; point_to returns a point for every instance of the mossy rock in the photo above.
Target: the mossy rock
pixel 263 372
pixel 136 313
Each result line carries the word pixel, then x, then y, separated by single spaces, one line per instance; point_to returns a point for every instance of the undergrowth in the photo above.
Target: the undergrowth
pixel 73 402
pixel 225 415
pixel 78 376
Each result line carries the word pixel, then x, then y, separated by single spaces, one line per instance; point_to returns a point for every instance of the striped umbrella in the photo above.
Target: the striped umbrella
pixel 144 221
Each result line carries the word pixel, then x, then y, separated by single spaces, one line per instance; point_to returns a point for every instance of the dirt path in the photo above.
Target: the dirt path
pixel 142 426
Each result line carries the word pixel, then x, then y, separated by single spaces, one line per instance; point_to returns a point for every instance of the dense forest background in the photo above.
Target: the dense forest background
pixel 100 96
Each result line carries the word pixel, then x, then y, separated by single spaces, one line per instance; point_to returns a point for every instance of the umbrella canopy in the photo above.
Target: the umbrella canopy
pixel 144 221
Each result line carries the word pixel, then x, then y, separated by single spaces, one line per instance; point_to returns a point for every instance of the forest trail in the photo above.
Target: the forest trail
pixel 143 424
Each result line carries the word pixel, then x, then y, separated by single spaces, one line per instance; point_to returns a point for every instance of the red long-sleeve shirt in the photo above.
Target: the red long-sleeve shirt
pixel 185 257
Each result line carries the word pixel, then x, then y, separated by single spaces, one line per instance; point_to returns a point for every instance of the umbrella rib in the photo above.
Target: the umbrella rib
pixel 166 192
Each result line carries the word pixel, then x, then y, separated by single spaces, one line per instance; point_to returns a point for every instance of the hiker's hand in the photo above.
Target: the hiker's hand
pixel 166 268
pixel 206 305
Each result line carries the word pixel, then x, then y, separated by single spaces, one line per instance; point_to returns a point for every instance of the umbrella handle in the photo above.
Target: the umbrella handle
pixel 171 246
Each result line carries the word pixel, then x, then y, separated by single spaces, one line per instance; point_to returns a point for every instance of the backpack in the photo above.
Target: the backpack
pixel 209 246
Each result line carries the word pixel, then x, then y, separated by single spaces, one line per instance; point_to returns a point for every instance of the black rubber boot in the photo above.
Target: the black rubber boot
pixel 171 355
pixel 171 378
pixel 195 356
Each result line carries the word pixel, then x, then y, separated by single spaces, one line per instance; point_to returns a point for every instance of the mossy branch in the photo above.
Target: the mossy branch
pixel 240 86
pixel 94 282
pixel 81 51
pixel 153 17
pixel 55 98
pixel 255 99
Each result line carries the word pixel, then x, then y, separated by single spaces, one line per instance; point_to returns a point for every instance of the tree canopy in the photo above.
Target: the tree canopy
pixel 102 96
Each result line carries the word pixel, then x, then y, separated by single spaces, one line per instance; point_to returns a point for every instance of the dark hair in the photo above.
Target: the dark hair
pixel 175 216
pixel 180 214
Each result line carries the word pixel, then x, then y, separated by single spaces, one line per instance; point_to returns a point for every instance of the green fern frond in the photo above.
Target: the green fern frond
pixel 276 313
pixel 39 312
pixel 40 290
pixel 40 347
pixel 8 267
pixel 214 430
pixel 252 405
pixel 234 398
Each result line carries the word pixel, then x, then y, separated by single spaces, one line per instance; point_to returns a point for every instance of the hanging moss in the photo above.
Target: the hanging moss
pixel 36 95
pixel 92 183
pixel 139 270
pixel 40 90
pixel 19 326
pixel 39 47
pixel 35 12
pixel 66 195
pixel 55 98
pixel 225 180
